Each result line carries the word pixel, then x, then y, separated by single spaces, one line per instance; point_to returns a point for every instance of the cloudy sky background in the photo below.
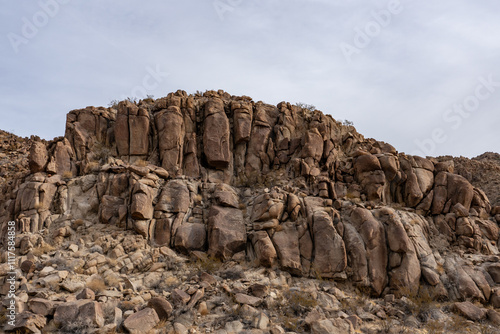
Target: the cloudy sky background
pixel 397 86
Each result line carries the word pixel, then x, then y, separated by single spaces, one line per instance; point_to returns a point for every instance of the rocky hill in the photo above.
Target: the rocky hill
pixel 213 213
pixel 483 172
pixel 13 156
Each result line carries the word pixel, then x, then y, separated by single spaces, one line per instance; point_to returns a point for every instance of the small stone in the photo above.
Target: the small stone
pixel 161 306
pixel 86 294
pixel 180 328
pixel 142 321
pixel 246 299
pixel 180 297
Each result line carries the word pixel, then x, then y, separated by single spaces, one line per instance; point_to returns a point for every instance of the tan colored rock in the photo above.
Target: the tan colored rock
pixel 142 202
pixel 216 135
pixel 470 311
pixel 329 249
pixel 174 197
pixel 142 321
pixel 180 297
pixel 264 249
pixel 38 157
pixel 227 232
pixel 494 271
pixel 494 317
pixel 373 235
pixel 171 134
pixel 247 300
pixel 356 253
pixel 495 299
pixel 41 306
pixel 243 113
pixel 286 242
pixel 86 294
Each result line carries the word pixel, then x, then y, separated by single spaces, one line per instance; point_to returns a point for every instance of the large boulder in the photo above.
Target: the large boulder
pixel 227 232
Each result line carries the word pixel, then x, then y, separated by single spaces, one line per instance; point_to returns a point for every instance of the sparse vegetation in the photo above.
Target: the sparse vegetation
pixel 96 284
pixel 309 107
pixel 141 163
pixel 67 174
pixel 347 122
pixel 113 104
pixel 44 248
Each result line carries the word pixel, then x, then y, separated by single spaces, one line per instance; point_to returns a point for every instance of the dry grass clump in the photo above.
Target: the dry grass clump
pixel 67 174
pixel 141 163
pixel 44 248
pixel 96 284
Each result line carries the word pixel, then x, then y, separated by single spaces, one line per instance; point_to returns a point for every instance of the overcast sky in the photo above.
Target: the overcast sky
pixel 421 75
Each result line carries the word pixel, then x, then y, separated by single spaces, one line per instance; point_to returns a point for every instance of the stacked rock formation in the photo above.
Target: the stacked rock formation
pixel 278 185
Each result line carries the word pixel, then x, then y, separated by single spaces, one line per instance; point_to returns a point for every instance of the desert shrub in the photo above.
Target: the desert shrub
pixel 113 104
pixel 347 123
pixel 435 327
pixel 44 248
pixel 67 174
pixel 100 151
pixel 80 326
pixel 421 302
pixel 309 107
pixel 208 264
pixel 298 302
pixel 141 163
pixel 96 284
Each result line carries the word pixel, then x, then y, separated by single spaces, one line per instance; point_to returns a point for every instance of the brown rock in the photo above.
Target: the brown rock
pixel 494 271
pixel 180 297
pixel 38 157
pixel 286 242
pixel 216 135
pixel 373 235
pixel 171 133
pixel 81 310
pixel 494 317
pixel 495 299
pixel 247 300
pixel 27 266
pixel 356 253
pixel 142 202
pixel 190 236
pixel 470 311
pixel 329 249
pixel 142 321
pixel 264 249
pixel 161 306
pixel 27 322
pixel 41 306
pixel 227 232
pixel 243 113
pixel 86 294
pixel 258 290
pixel 161 234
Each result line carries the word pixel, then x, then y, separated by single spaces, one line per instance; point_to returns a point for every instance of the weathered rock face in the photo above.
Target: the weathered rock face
pixel 280 186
